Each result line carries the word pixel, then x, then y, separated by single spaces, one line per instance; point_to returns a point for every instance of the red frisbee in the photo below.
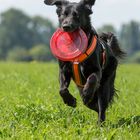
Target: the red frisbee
pixel 67 46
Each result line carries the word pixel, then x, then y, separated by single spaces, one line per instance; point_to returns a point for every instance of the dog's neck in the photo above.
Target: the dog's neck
pixel 90 32
pixel 88 28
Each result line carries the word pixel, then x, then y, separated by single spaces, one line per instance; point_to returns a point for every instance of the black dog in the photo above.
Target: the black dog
pixel 97 76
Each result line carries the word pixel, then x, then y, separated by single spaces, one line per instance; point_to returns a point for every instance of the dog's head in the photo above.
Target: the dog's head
pixel 72 15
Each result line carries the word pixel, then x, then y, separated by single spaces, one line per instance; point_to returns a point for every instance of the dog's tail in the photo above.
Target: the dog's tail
pixel 112 41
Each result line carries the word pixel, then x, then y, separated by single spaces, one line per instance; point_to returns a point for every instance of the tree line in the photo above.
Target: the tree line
pixel 25 38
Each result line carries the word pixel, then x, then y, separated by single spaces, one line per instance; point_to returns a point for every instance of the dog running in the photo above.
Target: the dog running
pixel 95 72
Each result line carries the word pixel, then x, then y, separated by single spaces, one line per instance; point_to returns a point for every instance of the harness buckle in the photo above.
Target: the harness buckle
pixel 75 62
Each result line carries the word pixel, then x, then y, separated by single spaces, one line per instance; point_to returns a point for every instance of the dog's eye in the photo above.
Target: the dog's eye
pixel 58 11
pixel 75 14
pixel 65 13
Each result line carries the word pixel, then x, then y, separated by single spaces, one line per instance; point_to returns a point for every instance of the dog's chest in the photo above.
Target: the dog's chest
pixel 81 71
pixel 93 63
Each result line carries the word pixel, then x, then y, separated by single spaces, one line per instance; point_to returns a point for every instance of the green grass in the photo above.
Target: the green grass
pixel 31 108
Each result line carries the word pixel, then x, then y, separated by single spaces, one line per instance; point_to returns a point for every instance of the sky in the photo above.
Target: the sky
pixel 116 12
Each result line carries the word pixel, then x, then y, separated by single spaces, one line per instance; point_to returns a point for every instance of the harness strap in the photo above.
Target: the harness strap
pixel 84 56
pixel 103 55
pixel 81 58
pixel 76 74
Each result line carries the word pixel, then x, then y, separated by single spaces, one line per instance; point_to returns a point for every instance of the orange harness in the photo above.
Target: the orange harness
pixel 76 70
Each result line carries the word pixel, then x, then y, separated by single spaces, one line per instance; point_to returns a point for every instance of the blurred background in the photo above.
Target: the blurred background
pixel 27 26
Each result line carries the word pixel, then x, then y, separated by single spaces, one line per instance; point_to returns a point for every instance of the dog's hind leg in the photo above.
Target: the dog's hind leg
pixel 64 79
pixel 102 102
pixel 105 96
pixel 106 90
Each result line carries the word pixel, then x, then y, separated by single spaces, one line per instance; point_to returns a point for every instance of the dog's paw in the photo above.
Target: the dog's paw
pixel 87 96
pixel 68 98
pixel 86 99
pixel 71 102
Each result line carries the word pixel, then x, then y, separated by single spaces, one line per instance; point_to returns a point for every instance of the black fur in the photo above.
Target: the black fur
pixel 99 89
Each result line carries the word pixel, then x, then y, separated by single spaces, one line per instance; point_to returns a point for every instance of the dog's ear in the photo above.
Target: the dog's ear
pixel 88 5
pixel 89 2
pixel 48 2
pixel 58 3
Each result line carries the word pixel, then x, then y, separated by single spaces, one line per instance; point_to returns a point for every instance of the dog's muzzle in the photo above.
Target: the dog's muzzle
pixel 66 27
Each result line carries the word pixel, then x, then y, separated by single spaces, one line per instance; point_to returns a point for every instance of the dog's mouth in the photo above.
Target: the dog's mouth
pixel 68 28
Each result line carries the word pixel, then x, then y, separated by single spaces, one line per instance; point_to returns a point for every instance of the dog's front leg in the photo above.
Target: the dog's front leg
pixel 91 87
pixel 64 79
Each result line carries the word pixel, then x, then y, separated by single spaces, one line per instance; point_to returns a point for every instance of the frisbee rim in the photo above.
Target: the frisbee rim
pixel 55 52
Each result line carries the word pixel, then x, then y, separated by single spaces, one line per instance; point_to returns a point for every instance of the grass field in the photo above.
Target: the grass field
pixel 31 108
